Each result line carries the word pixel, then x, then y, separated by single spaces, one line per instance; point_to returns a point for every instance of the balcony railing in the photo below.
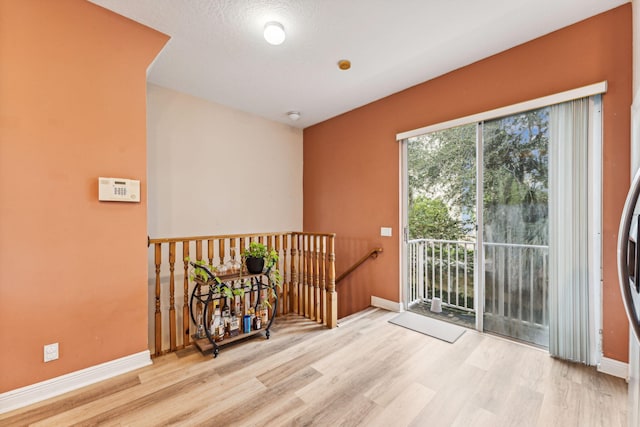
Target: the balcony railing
pixel 515 280
pixel 441 269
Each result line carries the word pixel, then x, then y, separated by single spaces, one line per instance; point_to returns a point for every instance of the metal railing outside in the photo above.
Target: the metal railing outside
pixel 516 279
pixel 441 269
pixel 516 282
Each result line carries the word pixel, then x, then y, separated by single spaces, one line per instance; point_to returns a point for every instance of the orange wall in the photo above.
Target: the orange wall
pixel 351 162
pixel 72 107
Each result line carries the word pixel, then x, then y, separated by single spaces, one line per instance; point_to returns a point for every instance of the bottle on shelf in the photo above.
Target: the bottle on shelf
pixel 200 331
pixel 239 313
pixel 263 313
pixel 233 266
pixel 234 324
pixel 217 327
pixel 246 324
pixel 221 270
pixel 257 319
pixel 226 318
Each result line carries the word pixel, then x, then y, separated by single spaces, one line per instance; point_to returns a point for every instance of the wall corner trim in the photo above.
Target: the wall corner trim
pixel 614 367
pixel 386 304
pixel 30 394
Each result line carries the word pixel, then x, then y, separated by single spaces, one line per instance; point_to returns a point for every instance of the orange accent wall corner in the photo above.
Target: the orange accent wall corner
pixel 73 270
pixel 351 162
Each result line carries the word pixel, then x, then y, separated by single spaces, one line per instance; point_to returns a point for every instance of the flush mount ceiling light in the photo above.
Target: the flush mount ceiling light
pixel 294 115
pixel 274 33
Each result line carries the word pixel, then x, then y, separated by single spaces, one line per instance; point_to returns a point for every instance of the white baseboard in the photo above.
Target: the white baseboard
pixel 24 396
pixel 386 304
pixel 614 367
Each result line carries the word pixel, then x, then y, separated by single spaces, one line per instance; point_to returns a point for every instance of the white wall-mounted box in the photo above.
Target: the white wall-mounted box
pixel 385 231
pixel 118 189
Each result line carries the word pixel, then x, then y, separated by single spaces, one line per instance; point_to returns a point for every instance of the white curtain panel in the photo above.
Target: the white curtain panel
pixel 568 232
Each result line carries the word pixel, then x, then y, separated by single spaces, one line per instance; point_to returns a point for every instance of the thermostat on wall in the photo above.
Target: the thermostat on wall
pixel 118 189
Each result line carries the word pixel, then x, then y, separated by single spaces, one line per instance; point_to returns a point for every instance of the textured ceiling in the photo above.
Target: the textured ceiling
pixel 217 51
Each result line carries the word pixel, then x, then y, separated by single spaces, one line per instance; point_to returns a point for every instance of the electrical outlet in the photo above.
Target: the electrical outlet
pixel 50 352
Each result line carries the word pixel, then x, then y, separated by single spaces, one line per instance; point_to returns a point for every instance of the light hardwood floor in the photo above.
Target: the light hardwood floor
pixel 365 372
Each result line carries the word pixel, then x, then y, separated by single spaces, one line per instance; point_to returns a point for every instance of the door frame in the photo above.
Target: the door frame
pixel 596 140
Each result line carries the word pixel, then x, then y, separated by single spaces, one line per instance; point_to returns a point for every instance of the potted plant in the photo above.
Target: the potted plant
pixel 256 257
pixel 204 274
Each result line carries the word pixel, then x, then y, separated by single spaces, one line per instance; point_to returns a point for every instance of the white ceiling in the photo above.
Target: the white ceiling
pixel 217 51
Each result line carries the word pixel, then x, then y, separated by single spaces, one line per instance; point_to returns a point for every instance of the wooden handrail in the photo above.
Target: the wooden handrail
pixel 373 253
pixel 228 236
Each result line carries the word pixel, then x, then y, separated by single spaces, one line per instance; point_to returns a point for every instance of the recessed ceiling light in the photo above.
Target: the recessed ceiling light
pixel 294 115
pixel 274 33
pixel 344 64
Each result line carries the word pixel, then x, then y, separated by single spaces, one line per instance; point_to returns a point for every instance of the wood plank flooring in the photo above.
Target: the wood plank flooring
pixel 366 372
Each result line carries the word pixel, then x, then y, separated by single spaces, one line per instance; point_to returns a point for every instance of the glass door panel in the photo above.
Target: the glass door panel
pixel 441 181
pixel 515 226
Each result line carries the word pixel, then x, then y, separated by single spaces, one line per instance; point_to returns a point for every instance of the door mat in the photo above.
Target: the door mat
pixel 425 325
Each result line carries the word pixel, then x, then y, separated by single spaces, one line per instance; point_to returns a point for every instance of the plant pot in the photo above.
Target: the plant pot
pixel 254 265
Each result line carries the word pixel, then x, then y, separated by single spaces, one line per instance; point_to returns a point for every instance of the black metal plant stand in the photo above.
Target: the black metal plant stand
pixel 205 292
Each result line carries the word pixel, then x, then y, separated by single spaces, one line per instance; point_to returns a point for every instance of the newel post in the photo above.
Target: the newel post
pixel 332 296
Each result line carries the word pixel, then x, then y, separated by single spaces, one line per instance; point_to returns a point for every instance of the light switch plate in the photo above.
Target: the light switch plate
pixel 50 352
pixel 385 231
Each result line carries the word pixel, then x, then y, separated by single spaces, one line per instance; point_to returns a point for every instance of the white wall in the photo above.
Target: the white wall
pixel 214 170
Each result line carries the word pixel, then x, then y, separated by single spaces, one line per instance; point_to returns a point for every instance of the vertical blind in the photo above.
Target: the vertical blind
pixel 569 303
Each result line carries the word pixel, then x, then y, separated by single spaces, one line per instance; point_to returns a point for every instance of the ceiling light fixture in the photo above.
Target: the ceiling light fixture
pixel 274 33
pixel 294 115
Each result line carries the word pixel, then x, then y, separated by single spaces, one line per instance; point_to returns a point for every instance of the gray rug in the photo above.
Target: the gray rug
pixel 425 325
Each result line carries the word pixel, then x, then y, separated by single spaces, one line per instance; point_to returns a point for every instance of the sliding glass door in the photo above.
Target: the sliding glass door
pixel 515 225
pixel 477 237
pixel 441 232
pixel 512 205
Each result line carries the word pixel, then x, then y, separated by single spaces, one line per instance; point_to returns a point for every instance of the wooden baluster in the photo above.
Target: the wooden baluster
pixel 185 303
pixel 323 279
pixel 242 245
pixel 221 251
pixel 267 244
pixel 294 272
pixel 232 248
pixel 172 299
pixel 302 273
pixel 199 250
pixel 199 306
pixel 158 314
pixel 332 297
pixel 210 248
pixel 276 247
pixel 318 316
pixel 285 277
pixel 232 257
pixel 307 246
pixel 312 294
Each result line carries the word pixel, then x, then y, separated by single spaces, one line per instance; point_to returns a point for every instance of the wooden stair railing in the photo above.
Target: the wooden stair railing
pixel 373 253
pixel 307 266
